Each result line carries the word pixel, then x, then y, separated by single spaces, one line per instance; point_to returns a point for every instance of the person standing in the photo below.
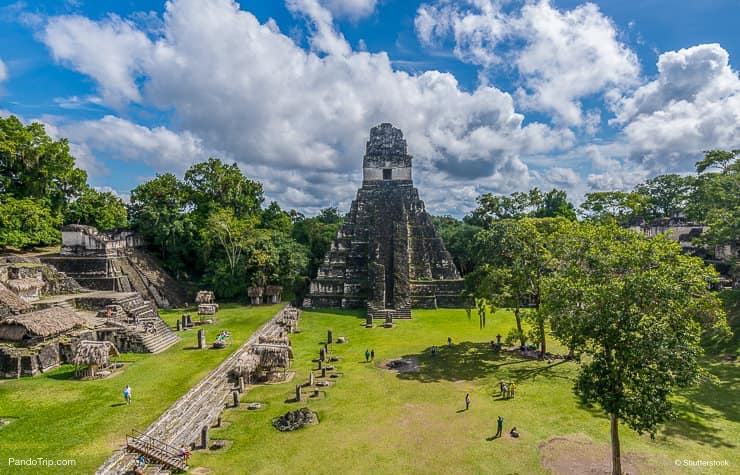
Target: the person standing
pixel 449 341
pixel 367 356
pixel 434 351
pixel 372 355
pixel 499 426
pixel 127 394
pixel 467 401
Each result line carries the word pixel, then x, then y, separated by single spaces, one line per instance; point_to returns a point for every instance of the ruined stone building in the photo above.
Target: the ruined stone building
pixel 387 256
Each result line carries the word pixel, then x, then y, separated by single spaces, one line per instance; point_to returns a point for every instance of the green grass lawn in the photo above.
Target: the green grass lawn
pixel 57 417
pixel 377 421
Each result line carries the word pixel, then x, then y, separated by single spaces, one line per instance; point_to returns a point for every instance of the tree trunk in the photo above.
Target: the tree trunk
pixel 519 325
pixel 543 344
pixel 616 457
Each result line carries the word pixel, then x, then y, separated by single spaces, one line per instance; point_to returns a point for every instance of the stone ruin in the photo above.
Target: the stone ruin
pixel 387 256
pixel 268 294
pixel 114 261
pixel 206 302
pixel 295 420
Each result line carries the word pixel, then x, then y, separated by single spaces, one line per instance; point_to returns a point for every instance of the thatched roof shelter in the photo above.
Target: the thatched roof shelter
pixel 44 323
pixel 96 353
pixel 274 340
pixel 255 291
pixel 22 285
pixel 204 296
pixel 272 356
pixel 10 302
pixel 271 290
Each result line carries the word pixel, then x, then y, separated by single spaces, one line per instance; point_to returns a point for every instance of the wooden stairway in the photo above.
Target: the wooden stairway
pixel 156 450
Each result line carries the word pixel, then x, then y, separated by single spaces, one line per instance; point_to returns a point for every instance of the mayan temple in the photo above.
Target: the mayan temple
pixel 387 256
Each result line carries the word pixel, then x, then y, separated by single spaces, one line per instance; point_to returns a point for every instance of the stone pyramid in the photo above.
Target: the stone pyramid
pixel 387 256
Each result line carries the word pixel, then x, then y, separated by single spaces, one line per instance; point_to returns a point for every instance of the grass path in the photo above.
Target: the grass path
pixel 57 417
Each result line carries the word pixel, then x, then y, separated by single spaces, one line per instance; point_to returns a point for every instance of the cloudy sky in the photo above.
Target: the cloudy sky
pixel 492 95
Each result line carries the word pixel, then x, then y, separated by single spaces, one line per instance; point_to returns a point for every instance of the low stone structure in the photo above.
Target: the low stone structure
pixel 269 294
pixel 387 256
pixel 294 420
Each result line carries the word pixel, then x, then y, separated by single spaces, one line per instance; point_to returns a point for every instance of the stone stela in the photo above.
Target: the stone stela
pixel 387 256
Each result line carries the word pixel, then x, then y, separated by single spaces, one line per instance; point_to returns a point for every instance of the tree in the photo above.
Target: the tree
pixel 27 223
pixel 317 234
pixel 32 165
pixel 515 256
pixel 667 195
pixel 555 204
pixel 158 211
pixel 213 185
pixel 721 159
pixel 103 210
pixel 458 238
pixel 619 206
pixel 635 306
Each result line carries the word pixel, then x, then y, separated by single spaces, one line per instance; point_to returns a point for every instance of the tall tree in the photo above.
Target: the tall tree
pixel 619 206
pixel 213 185
pixel 32 165
pixel 458 238
pixel 158 211
pixel 27 223
pixel 515 256
pixel 635 306
pixel 101 209
pixel 667 195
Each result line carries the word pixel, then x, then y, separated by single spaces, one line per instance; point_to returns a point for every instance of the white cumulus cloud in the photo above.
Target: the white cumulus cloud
pixel 565 55
pixel 287 115
pixel 3 71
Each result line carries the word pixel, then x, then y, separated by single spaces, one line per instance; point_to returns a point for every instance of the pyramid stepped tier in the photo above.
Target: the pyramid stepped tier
pixel 387 256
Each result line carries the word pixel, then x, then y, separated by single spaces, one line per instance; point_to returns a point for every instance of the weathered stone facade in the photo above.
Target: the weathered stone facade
pixel 114 261
pixel 387 256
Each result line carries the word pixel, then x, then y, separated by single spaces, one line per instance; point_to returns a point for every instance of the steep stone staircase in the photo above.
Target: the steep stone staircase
pixel 403 313
pixel 145 325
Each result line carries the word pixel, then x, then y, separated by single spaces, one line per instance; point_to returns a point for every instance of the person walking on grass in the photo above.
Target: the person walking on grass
pixel 467 401
pixel 372 355
pixel 127 394
pixel 367 356
pixel 499 426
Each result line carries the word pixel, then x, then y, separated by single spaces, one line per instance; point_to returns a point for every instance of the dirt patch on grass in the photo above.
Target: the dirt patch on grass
pixel 401 365
pixel 200 471
pixel 577 454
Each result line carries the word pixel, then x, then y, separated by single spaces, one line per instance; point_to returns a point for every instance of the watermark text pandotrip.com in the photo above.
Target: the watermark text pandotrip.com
pixel 41 462
pixel 701 463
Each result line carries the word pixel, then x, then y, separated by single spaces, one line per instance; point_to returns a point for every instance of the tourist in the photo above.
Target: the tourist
pixel 514 432
pixel 372 355
pixel 367 356
pixel 499 426
pixel 511 390
pixel 502 387
pixel 449 341
pixel 467 401
pixel 184 453
pixel 434 351
pixel 504 390
pixel 127 394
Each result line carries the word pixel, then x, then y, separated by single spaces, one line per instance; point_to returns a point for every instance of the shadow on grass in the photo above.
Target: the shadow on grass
pixel 690 425
pixel 551 371
pixel 461 361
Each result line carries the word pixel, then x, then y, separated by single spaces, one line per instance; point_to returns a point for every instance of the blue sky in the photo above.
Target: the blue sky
pixel 492 95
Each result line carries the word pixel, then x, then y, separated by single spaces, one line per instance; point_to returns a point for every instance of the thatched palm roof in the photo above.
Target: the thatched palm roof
pixel 94 352
pixel 275 340
pixel 20 285
pixel 12 300
pixel 42 323
pixel 273 356
pixel 204 296
pixel 271 290
pixel 255 291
